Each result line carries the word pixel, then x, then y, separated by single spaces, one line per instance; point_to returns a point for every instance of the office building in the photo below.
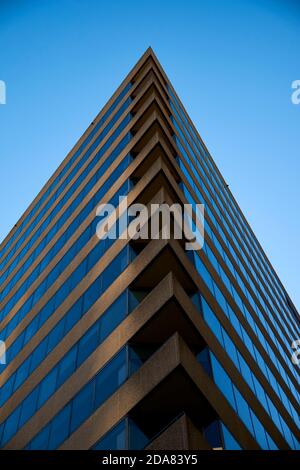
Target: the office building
pixel 140 343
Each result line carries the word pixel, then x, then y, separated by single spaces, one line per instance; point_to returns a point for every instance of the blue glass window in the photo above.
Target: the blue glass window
pixel 230 442
pixel 60 428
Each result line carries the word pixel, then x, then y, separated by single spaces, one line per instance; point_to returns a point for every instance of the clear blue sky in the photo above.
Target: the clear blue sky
pixel 231 62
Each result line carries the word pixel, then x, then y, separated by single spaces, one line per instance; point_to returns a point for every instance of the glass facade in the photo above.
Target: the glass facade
pixel 74 192
pixel 54 272
pixel 259 303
